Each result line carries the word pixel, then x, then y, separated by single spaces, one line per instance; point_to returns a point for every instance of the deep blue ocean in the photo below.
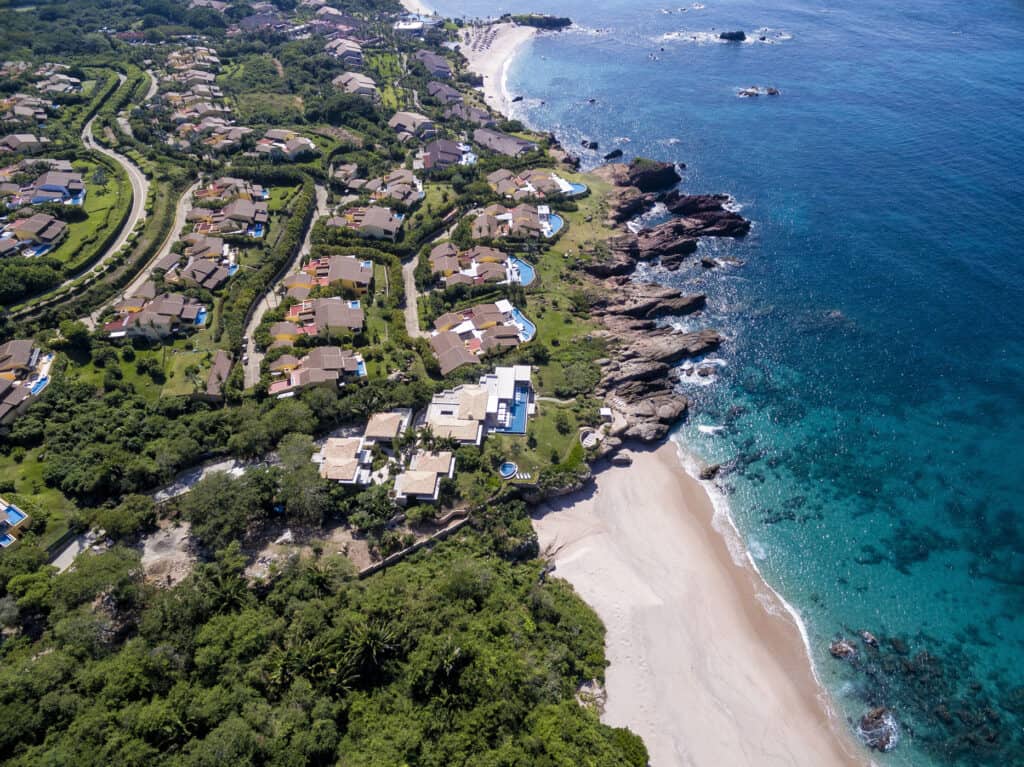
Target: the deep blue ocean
pixel 872 394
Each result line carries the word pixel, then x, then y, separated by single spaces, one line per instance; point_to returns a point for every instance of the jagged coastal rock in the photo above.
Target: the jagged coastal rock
pixel 843 649
pixel 878 729
pixel 733 37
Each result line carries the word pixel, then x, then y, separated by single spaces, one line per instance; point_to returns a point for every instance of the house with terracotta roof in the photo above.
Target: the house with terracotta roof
pixel 385 428
pixel 349 272
pixel 327 316
pixel 375 222
pixel 462 337
pixel 476 266
pixel 163 316
pixel 345 460
pixel 322 366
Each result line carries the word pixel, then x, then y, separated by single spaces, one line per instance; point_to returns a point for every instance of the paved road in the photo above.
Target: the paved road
pixel 272 299
pixel 139 185
pixel 412 308
pixel 184 205
pixel 154 85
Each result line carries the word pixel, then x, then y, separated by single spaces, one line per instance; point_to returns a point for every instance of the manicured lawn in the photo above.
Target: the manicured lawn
pixel 49 509
pixel 104 205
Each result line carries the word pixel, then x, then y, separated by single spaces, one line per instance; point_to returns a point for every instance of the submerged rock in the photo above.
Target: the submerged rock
pixel 710 472
pixel 733 37
pixel 589 144
pixel 879 730
pixel 842 649
pixel 614 154
pixel 869 639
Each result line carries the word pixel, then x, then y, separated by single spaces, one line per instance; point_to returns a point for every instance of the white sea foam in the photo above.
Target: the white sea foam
pixel 639 223
pixel 709 429
pixel 706 37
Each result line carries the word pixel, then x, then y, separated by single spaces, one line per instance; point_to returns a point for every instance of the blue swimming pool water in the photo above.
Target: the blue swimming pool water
pixel 527 274
pixel 508 470
pixel 256 230
pixel 361 369
pixel 518 411
pixel 557 222
pixel 13 515
pixel 527 330
pixel 39 385
pixel 232 270
pixel 201 317
pixel 577 189
pixel 6 540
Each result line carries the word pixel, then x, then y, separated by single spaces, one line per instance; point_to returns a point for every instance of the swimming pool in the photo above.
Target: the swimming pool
pixel 508 470
pixel 555 224
pixel 576 189
pixel 14 516
pixel 39 385
pixel 526 271
pixel 517 411
pixel 6 540
pixel 201 316
pixel 256 230
pixel 527 330
pixel 232 269
pixel 361 369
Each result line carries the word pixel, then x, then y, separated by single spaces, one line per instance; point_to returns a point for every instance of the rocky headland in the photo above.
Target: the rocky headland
pixel 636 379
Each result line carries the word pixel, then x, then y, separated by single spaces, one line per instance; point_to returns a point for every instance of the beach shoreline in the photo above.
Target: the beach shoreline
pixel 489 52
pixel 701 650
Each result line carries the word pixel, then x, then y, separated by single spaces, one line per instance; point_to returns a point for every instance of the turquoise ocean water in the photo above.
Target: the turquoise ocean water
pixel 870 408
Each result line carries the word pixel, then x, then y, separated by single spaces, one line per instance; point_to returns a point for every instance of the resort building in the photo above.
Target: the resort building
pixel 349 52
pixel 523 221
pixel 280 144
pixel 345 271
pixel 502 402
pixel 227 188
pixel 240 216
pixel 410 125
pixel 470 114
pixel 436 65
pixel 159 318
pixel 356 84
pixel 400 186
pixel 421 482
pixel 461 337
pixel 477 266
pixel 375 222
pixel 385 428
pixel 344 460
pixel 27 143
pixel 534 183
pixel 324 365
pixel 444 154
pixel 502 143
pixel 36 234
pixel 327 316
pixel 443 92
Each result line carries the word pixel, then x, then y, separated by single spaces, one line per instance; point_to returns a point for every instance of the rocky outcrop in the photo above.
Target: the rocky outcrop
pixel 705 215
pixel 651 175
pixel 647 301
pixel 878 729
pixel 629 202
pixel 842 649
pixel 733 37
pixel 615 154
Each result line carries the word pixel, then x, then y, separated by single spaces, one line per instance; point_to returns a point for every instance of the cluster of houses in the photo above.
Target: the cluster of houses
pixel 501 402
pixel 24 373
pixel 462 337
pixel 401 186
pixel 25 108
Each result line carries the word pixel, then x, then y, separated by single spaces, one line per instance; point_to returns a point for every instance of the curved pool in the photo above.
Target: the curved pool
pixel 508 470
pixel 555 224
pixel 576 189
pixel 527 273
pixel 527 330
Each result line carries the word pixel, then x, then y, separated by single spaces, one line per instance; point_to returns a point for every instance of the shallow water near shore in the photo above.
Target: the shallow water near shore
pixel 871 397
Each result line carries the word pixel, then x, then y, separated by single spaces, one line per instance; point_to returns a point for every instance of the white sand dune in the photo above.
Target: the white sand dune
pixel 699 668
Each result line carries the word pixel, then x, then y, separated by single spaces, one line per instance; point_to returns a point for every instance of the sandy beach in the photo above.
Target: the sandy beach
pixel 489 50
pixel 699 668
pixel 415 6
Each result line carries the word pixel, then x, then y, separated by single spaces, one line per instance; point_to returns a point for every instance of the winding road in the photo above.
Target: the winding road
pixel 140 189
pixel 272 299
pixel 412 296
